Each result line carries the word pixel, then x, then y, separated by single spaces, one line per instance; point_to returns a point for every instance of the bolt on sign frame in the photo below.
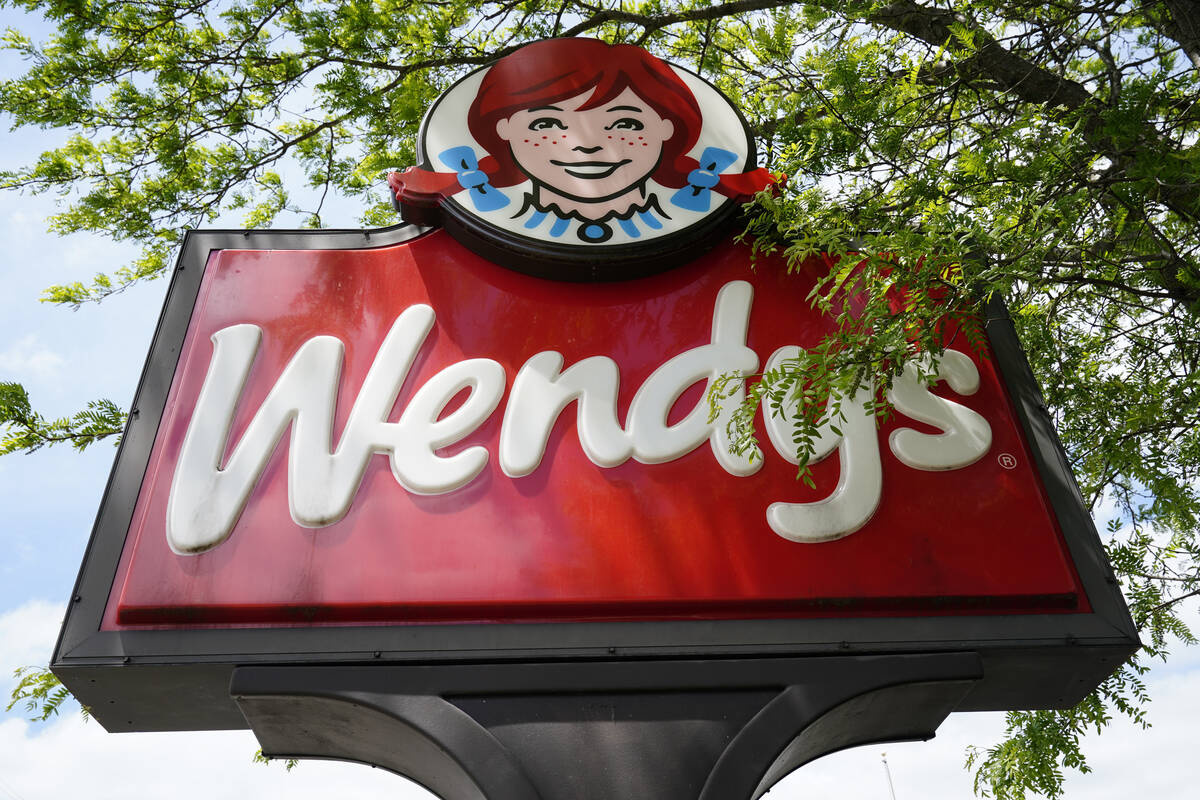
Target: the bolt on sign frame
pixel 508 578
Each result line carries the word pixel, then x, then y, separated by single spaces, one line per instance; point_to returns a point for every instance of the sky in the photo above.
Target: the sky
pixel 49 500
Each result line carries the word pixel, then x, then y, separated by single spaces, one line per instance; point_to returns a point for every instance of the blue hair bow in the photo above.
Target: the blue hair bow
pixel 695 196
pixel 485 196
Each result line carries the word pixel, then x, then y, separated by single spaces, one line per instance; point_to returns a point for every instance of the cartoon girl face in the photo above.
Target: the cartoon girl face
pixel 588 153
pixel 573 155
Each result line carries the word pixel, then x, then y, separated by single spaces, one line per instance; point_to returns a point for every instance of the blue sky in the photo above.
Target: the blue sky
pixel 49 499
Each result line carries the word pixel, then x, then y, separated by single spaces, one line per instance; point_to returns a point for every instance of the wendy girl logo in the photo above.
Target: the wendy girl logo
pixel 579 160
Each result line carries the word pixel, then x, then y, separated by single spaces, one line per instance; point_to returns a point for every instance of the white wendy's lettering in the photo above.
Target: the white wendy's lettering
pixel 207 496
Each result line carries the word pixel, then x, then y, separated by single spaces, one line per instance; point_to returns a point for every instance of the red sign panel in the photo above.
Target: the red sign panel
pixel 412 434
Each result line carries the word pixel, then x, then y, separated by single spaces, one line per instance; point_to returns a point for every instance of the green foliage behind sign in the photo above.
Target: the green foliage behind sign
pixel 1045 153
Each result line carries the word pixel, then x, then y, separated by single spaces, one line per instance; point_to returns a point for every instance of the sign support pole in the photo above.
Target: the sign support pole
pixel 594 730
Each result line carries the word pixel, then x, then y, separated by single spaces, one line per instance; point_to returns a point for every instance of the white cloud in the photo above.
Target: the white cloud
pixel 27 634
pixel 27 356
pixel 19 227
pixel 71 758
pixel 1158 762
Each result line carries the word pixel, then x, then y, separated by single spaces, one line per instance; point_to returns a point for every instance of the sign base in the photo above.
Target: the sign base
pixel 600 730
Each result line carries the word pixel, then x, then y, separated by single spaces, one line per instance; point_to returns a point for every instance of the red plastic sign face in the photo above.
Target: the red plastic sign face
pixel 412 434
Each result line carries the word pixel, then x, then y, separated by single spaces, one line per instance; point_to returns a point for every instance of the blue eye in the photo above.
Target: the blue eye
pixel 546 123
pixel 626 124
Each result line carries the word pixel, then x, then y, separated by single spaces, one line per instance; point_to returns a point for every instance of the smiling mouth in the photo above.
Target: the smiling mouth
pixel 592 170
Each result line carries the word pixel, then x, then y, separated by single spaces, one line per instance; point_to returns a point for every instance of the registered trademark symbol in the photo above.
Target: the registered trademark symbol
pixel 1007 460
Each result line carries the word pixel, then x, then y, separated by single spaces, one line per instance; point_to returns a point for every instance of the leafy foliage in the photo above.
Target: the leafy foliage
pixel 941 151
pixel 288 763
pixel 1040 743
pixel 26 430
pixel 40 691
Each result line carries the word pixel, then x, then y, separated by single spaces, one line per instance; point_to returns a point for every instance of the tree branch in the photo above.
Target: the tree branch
pixel 1182 24
pixel 1028 81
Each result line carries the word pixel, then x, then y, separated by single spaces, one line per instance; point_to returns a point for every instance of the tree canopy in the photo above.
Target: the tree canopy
pixel 1045 152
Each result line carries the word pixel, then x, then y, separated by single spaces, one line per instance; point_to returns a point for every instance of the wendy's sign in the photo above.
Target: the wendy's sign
pixel 409 434
pixel 462 443
pixel 472 454
pixel 579 160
